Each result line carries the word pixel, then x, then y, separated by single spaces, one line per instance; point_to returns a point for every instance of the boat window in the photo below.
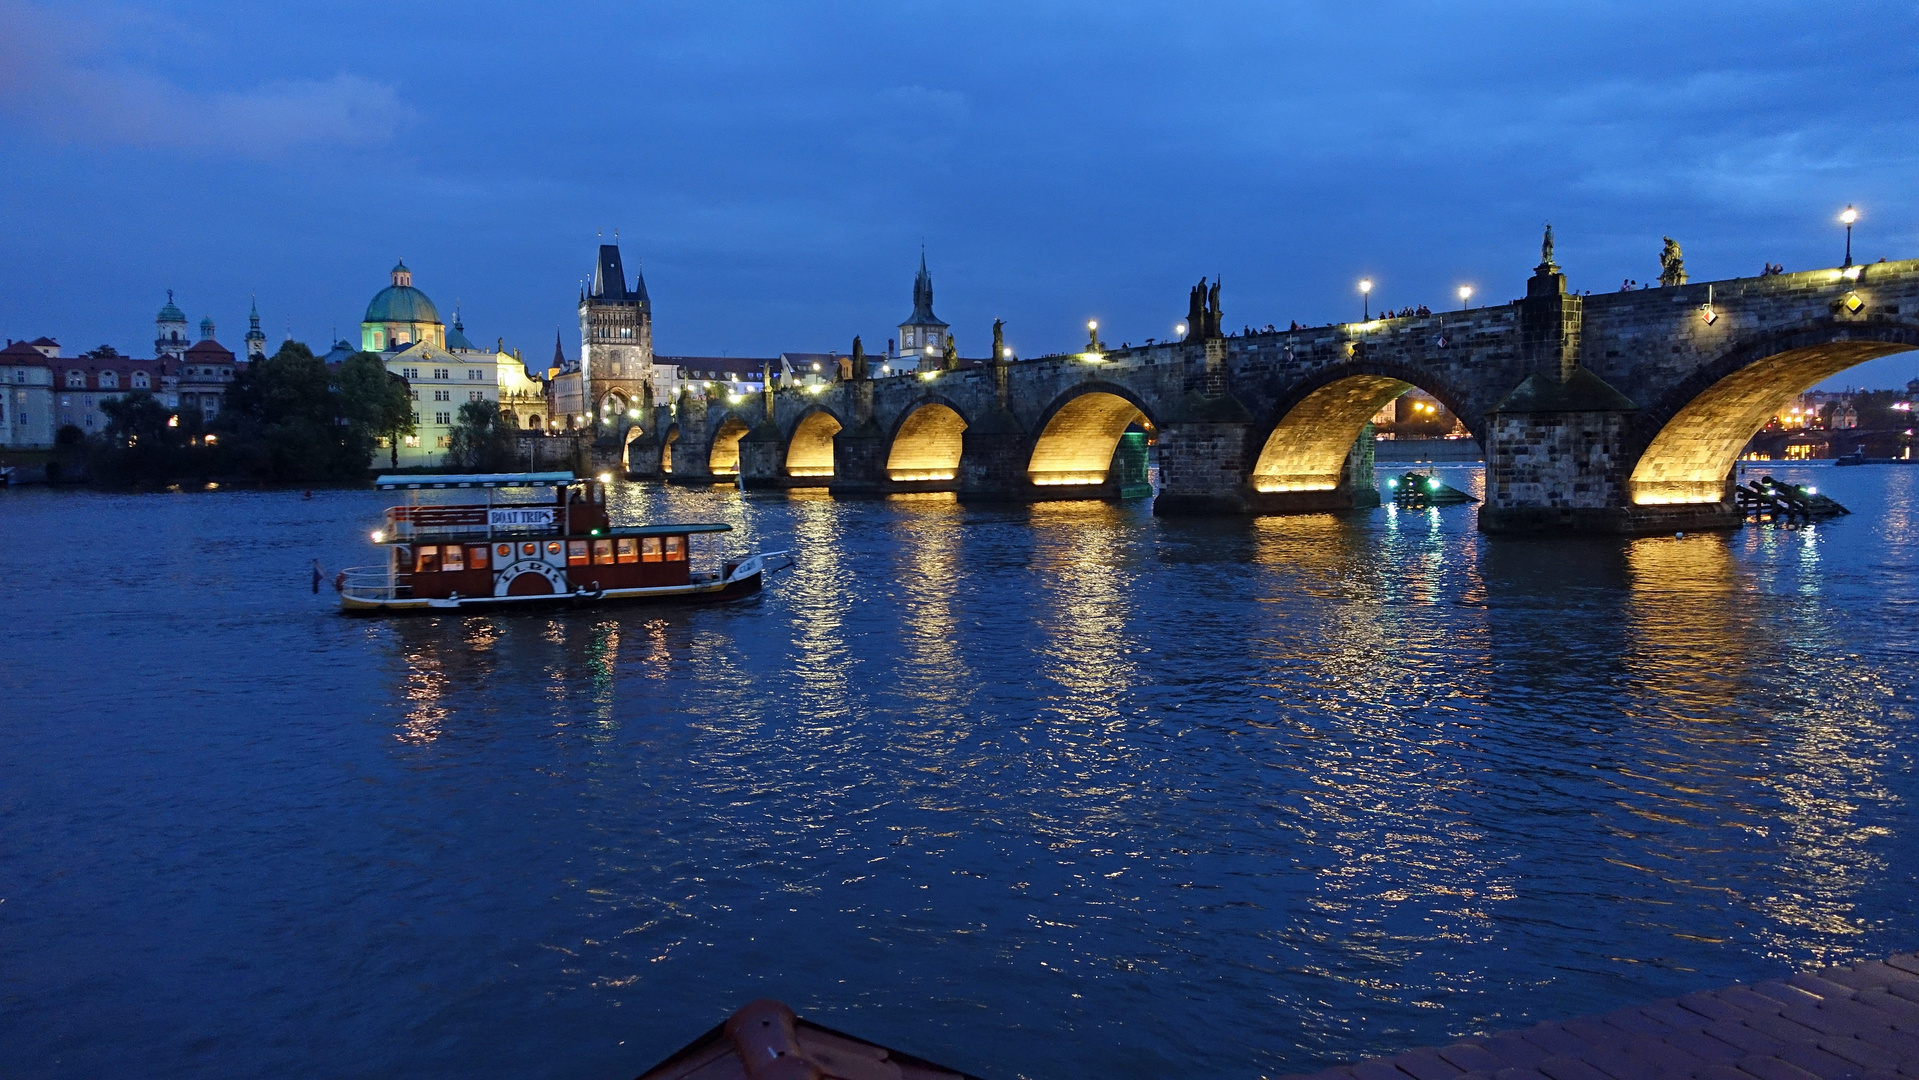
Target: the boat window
pixel 676 549
pixel 629 550
pixel 650 549
pixel 476 558
pixel 450 558
pixel 552 547
pixel 428 560
pixel 576 553
pixel 602 552
pixel 529 550
pixel 504 551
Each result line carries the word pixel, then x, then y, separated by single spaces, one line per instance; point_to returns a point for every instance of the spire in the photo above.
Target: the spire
pixel 609 277
pixel 559 354
pixel 923 297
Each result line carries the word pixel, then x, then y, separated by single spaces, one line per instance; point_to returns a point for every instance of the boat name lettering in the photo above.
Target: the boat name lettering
pixel 519 515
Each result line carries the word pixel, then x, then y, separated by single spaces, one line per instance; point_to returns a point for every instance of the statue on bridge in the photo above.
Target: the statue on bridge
pixel 859 358
pixel 952 354
pixel 1546 251
pixel 1672 264
pixel 1202 312
pixel 999 342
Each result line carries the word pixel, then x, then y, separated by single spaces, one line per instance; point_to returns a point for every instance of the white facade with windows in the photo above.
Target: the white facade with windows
pixel 439 382
pixel 26 394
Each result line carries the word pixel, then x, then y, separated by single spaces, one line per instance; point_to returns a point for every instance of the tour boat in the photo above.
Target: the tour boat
pixel 555 548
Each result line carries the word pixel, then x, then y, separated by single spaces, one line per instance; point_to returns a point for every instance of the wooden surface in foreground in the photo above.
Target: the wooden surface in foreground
pixel 1859 1022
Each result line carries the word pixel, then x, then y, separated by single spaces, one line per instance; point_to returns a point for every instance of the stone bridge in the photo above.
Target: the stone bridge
pixel 1619 412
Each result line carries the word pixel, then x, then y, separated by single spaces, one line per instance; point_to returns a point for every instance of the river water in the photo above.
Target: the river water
pixel 1051 791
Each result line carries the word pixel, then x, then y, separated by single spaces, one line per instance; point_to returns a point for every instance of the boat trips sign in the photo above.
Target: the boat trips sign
pixel 519 517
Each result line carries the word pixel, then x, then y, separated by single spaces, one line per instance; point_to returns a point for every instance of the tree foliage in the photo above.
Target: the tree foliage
pixel 377 403
pixel 285 420
pixel 482 440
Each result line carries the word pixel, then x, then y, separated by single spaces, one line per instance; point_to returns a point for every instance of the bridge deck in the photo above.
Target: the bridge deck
pixel 1859 1022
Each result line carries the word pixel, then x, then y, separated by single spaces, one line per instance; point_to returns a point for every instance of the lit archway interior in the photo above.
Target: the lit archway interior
pixel 724 458
pixel 611 406
pixel 1690 458
pixel 810 453
pixel 1308 448
pixel 1077 445
pixel 626 451
pixel 666 449
pixel 927 446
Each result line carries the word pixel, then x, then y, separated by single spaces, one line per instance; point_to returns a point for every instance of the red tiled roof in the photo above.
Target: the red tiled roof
pixel 210 351
pixel 22 352
pixel 122 367
pixel 44 341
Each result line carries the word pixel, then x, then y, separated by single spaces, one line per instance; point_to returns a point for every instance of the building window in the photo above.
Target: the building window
pixel 442 442
pixel 413 441
pixel 475 395
pixel 602 552
pixel 443 395
pixel 76 380
pixel 416 419
pixel 440 373
pixel 140 380
pixel 109 380
pixel 409 373
pixel 475 374
pixel 576 553
pixel 442 418
pixel 676 549
pixel 476 557
pixel 629 550
pixel 415 395
pixel 650 549
pixel 450 558
pixel 428 560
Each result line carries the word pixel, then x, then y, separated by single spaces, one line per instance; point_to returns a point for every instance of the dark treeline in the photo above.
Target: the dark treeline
pixel 287 420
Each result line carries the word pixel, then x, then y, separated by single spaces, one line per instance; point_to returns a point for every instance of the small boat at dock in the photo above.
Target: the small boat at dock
pixel 557 547
pixel 765 1041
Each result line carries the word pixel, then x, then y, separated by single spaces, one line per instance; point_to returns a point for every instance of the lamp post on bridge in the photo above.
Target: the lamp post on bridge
pixel 1365 299
pixel 1465 297
pixel 1849 215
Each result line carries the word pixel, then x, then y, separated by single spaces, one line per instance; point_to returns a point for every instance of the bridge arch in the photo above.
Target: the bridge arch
pixel 1684 445
pixel 809 448
pixel 633 435
pixel 926 441
pixel 1080 430
pixel 666 448
pixel 613 406
pixel 723 455
pixel 1314 427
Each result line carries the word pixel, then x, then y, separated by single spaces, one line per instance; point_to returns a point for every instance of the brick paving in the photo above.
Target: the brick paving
pixel 1859 1022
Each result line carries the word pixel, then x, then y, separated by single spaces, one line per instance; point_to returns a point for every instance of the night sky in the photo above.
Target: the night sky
pixel 776 168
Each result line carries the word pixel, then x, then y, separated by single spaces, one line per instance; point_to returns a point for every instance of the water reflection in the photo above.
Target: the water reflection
pixel 1041 790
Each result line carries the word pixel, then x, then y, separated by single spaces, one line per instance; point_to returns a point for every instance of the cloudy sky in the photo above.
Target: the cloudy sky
pixel 776 167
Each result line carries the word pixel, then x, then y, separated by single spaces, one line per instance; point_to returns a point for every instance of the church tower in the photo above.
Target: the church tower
pixel 170 340
pixel 256 338
pixel 616 340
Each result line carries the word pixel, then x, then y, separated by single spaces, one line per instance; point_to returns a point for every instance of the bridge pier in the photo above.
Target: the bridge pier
pixel 762 460
pixel 693 450
pixel 993 458
pixel 1203 458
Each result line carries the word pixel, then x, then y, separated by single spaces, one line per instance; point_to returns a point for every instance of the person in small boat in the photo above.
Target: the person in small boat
pixel 318 576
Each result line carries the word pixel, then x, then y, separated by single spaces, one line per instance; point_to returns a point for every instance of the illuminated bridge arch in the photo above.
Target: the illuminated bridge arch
pixel 1686 444
pixel 926 442
pixel 809 449
pixel 1080 432
pixel 1317 425
pixel 723 457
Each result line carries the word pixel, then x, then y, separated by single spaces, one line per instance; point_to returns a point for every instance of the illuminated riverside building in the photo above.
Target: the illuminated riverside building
pixel 922 340
pixel 26 393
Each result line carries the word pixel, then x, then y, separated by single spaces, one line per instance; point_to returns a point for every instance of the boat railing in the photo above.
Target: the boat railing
pixel 374 584
pixel 416 522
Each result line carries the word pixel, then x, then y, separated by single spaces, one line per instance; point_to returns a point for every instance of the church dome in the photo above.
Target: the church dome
pixel 400 302
pixel 171 313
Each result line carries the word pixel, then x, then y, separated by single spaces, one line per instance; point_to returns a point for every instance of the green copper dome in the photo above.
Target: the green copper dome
pixel 400 302
pixel 171 313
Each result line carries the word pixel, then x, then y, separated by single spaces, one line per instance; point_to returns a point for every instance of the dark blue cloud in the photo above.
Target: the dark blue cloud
pixel 776 167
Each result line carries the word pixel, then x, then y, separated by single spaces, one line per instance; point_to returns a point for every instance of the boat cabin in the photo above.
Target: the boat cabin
pixel 535 534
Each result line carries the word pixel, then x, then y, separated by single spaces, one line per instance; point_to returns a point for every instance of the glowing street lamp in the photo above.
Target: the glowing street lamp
pixel 1848 215
pixel 1465 296
pixel 1179 329
pixel 1365 299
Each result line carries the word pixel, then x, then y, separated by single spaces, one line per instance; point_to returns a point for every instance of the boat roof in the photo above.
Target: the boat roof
pixel 767 1029
pixel 476 480
pixel 675 530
